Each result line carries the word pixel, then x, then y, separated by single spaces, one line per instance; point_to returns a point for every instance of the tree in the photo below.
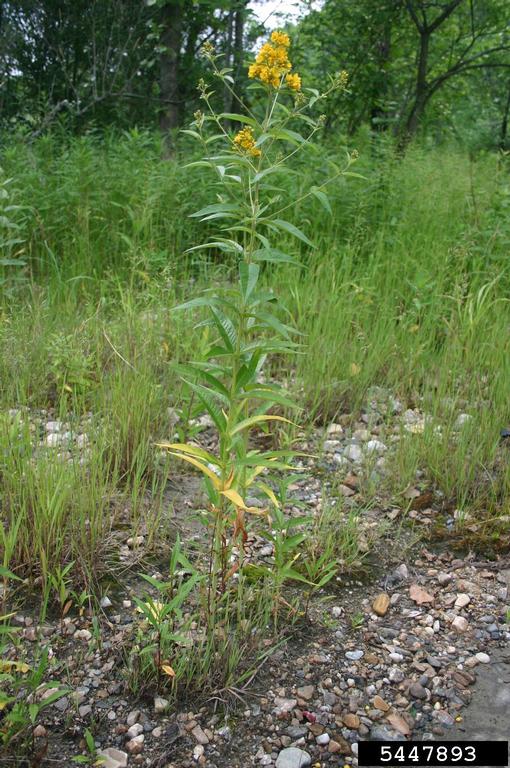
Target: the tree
pixel 475 36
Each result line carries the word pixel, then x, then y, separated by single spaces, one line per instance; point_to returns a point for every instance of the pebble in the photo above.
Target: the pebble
pixel 483 658
pixel 462 600
pixel 460 624
pixel 199 735
pixel 354 655
pixel 323 740
pixel 135 745
pixel 113 758
pixel 160 705
pixel 292 757
pixel 381 604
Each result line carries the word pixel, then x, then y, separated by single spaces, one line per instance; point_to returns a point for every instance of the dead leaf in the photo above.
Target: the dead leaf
pixel 399 724
pixel 420 595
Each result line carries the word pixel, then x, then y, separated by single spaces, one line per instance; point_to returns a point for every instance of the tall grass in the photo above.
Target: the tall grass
pixel 406 289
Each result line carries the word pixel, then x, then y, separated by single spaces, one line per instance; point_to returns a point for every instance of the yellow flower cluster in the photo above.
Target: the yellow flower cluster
pixel 272 63
pixel 244 140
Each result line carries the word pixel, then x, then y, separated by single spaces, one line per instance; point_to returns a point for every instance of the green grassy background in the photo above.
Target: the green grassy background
pixel 407 288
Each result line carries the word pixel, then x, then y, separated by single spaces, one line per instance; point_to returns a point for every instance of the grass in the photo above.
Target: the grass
pixel 406 290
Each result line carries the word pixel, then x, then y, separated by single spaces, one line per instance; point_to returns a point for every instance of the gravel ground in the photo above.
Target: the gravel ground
pixel 396 655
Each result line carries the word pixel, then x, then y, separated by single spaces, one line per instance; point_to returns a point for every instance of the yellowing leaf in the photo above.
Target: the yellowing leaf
pixel 257 420
pixel 202 467
pixel 17 666
pixel 234 497
pixel 269 493
pixel 354 369
pixel 168 670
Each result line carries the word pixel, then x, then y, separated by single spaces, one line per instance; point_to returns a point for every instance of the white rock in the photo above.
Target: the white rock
pixel 462 600
pixel 113 758
pixel 105 602
pixel 460 624
pixel 375 446
pixel 134 730
pixel 353 452
pixel 135 745
pixel 160 705
pixel 292 757
pixel 483 658
pixel 323 740
pixel 83 634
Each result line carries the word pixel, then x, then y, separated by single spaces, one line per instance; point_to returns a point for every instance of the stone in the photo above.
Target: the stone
pixel 105 602
pixel 134 730
pixel 354 655
pixel 351 721
pixel 83 634
pixel 135 746
pixel 381 733
pixel 380 704
pixel 199 735
pixel 417 691
pixel 283 706
pixel 113 758
pixel 483 658
pixel 39 731
pixel 160 705
pixel 306 692
pixel 323 740
pixel 133 716
pixel 460 624
pixel 375 446
pixel 292 757
pixel 462 600
pixel 381 604
pixel 353 452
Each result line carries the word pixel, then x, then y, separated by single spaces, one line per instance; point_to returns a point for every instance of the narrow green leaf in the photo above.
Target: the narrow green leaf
pixel 286 226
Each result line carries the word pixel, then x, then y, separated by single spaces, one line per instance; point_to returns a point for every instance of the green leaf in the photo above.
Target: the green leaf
pixel 273 255
pixel 248 277
pixel 286 226
pixel 322 198
pixel 283 133
pixel 226 328
pixel 239 118
pixel 215 208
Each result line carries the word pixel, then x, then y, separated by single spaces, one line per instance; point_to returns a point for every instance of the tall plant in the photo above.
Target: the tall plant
pixel 250 209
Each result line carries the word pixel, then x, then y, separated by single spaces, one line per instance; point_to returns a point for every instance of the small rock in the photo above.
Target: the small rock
pixel 353 452
pixel 306 692
pixel 199 735
pixel 135 746
pixel 134 731
pixel 381 604
pixel 380 704
pixel 460 624
pixel 292 757
pixel 160 705
pixel 105 602
pixel 483 658
pixel 133 716
pixel 113 758
pixel 323 740
pixel 462 600
pixel 354 655
pixel 83 634
pixel 351 721
pixel 39 731
pixel 417 691
pixel 375 446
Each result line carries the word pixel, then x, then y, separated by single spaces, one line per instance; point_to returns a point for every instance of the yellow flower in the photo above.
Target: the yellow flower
pixel 244 140
pixel 293 80
pixel 280 38
pixel 272 62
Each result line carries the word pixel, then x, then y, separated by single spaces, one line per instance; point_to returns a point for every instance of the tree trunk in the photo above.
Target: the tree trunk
pixel 378 115
pixel 503 139
pixel 237 61
pixel 171 36
pixel 422 92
